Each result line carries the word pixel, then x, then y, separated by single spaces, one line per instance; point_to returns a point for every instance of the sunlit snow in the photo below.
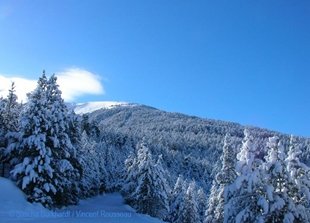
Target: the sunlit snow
pixel 105 208
pixel 83 108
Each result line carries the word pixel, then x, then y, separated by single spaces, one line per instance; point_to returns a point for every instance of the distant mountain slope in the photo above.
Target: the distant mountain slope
pixel 191 146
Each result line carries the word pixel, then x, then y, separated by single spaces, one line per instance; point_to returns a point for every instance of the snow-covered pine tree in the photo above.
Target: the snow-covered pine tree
pixel 2 127
pixel 2 137
pixel 89 159
pixel 46 170
pixel 117 151
pixel 274 197
pixel 90 126
pixel 213 203
pixel 162 188
pixel 224 178
pixel 298 184
pixel 11 125
pixel 11 111
pixel 131 177
pixel 114 169
pixel 189 209
pixel 34 172
pixel 177 199
pixel 102 165
pixel 149 195
pixel 202 204
pixel 66 165
pixel 243 194
pixel 75 128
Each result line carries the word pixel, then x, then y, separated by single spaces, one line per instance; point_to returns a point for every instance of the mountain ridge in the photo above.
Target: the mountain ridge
pixel 191 146
pixel 93 106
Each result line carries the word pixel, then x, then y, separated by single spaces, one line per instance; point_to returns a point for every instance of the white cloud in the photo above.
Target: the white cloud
pixel 73 83
pixel 76 82
pixel 23 86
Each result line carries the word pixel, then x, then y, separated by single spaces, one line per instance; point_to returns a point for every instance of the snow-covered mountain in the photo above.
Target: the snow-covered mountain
pixel 191 146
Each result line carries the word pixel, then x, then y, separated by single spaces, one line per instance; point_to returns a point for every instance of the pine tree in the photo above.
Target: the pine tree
pixel 34 171
pixel 177 199
pixel 224 178
pixel 213 203
pixel 89 159
pixel 67 167
pixel 162 188
pixel 274 198
pixel 2 137
pixel 47 168
pixel 2 127
pixel 189 209
pixel 202 204
pixel 150 195
pixel 298 183
pixel 242 195
pixel 131 177
pixel 9 120
pixel 75 128
pixel 12 111
pixel 114 166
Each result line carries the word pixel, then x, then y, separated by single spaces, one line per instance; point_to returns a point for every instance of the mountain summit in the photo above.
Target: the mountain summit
pixel 88 107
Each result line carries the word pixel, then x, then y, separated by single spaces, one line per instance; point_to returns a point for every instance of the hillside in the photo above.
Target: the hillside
pixel 191 146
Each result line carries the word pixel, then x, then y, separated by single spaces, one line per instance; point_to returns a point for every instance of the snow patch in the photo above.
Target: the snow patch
pixel 104 208
pixel 89 107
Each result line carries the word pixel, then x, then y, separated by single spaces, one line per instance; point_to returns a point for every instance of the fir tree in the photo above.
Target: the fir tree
pixel 149 195
pixel 67 168
pixel 189 209
pixel 274 199
pixel 202 204
pixel 298 183
pixel 2 128
pixel 177 200
pixel 89 159
pixel 242 195
pixel 131 177
pixel 2 137
pixel 114 166
pixel 213 203
pixel 9 120
pixel 162 188
pixel 47 164
pixel 11 111
pixel 34 172
pixel 224 178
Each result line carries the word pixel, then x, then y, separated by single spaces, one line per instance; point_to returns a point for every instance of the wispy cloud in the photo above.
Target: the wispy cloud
pixel 76 82
pixel 73 82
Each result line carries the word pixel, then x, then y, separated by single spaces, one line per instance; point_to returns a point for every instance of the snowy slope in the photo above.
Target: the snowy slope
pixel 105 208
pixel 83 108
pixel 190 146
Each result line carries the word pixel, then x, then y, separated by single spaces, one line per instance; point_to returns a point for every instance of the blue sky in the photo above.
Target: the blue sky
pixel 241 61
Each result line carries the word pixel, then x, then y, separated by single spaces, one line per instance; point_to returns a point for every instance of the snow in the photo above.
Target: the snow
pixel 89 107
pixel 104 208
